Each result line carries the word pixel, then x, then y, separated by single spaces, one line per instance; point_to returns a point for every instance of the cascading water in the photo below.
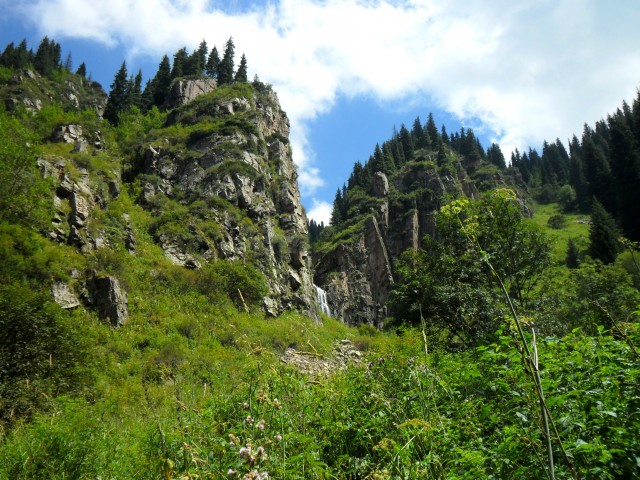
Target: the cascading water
pixel 321 297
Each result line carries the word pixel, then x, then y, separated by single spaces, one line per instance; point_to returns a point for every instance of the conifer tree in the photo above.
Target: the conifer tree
pixel 162 82
pixel 495 156
pixel 241 74
pixel 624 157
pixel 406 141
pixel 226 66
pixel 442 155
pixel 135 93
pixel 572 259
pixel 119 96
pixel 44 61
pixel 213 63
pixel 432 130
pixel 179 62
pixel 68 62
pixel 603 235
pixel 82 70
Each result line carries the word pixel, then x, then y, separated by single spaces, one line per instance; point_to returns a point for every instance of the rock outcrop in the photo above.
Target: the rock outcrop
pixel 109 299
pixel 185 90
pixel 358 274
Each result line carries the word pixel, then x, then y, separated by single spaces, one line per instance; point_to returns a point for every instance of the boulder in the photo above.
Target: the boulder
pixel 64 296
pixel 109 299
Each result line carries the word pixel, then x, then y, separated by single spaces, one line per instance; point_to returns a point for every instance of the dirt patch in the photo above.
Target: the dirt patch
pixel 313 364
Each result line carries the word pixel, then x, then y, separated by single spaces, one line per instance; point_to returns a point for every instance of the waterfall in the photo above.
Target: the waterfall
pixel 321 297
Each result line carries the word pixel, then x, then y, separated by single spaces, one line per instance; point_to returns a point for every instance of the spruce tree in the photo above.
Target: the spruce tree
pixel 162 82
pixel 179 62
pixel 118 99
pixel 135 93
pixel 603 235
pixel 432 130
pixel 225 68
pixel 213 63
pixel 82 70
pixel 241 74
pixel 495 156
pixel 572 259
pixel 68 63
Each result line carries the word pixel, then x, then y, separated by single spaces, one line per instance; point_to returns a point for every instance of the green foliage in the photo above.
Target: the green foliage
pixel 23 191
pixel 603 235
pixel 42 353
pixel 449 283
pixel 242 283
pixel 573 254
pixel 557 222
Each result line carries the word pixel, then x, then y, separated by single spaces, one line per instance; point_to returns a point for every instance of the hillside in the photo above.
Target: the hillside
pixel 159 319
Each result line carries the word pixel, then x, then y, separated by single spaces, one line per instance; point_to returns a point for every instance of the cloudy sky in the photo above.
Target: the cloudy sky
pixel 347 71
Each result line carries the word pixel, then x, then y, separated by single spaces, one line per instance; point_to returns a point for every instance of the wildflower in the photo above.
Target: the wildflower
pixel 231 471
pixel 261 454
pixel 246 405
pixel 233 440
pixel 244 452
pixel 278 438
pixel 276 404
pixel 262 396
pixel 248 420
pixel 261 424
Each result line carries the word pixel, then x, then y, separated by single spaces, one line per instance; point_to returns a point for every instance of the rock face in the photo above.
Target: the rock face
pixel 358 275
pixel 185 90
pixel 243 171
pixel 228 164
pixel 109 300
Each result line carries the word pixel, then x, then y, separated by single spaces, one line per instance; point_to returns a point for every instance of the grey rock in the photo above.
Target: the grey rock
pixel 380 185
pixel 80 209
pixel 184 91
pixel 64 296
pixel 109 299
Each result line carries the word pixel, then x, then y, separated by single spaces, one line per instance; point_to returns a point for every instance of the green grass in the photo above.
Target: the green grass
pixel 577 227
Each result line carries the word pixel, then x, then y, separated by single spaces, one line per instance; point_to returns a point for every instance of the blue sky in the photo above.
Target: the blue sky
pixel 347 71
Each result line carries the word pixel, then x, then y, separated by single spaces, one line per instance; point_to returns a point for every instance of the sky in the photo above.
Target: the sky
pixel 348 71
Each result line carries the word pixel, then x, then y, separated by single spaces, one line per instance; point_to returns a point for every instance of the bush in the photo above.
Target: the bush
pixel 242 283
pixel 557 222
pixel 41 354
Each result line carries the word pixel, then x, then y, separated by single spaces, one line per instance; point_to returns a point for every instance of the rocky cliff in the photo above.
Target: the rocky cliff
pixel 216 176
pixel 358 271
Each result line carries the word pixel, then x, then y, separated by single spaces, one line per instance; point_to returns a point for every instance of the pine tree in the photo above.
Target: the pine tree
pixel 119 98
pixel 495 156
pixel 226 66
pixel 432 130
pixel 82 70
pixel 162 82
pixel 338 207
pixel 442 154
pixel 179 62
pixel 43 61
pixel 135 93
pixel 407 143
pixel 572 260
pixel 603 235
pixel 68 62
pixel 241 74
pixel 624 156
pixel 213 63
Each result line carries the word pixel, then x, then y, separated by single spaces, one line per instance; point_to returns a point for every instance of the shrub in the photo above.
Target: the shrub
pixel 557 222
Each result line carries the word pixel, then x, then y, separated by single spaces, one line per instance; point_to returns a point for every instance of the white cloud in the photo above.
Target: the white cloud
pixel 525 71
pixel 320 211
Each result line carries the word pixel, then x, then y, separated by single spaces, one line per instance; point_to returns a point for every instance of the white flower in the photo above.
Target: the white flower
pixel 261 424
